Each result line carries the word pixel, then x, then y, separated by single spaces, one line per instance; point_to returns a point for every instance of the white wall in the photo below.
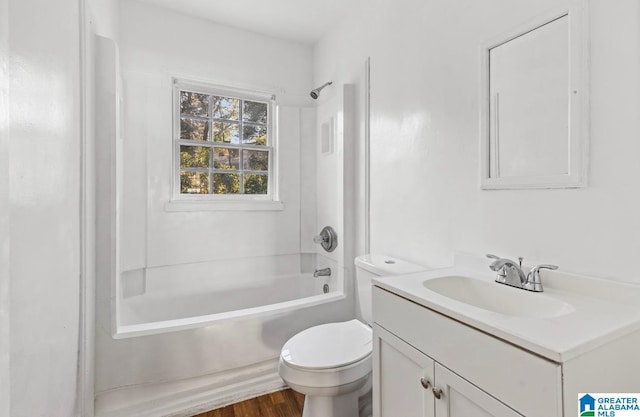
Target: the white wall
pixel 5 289
pixel 426 202
pixel 200 50
pixel 105 15
pixel 44 202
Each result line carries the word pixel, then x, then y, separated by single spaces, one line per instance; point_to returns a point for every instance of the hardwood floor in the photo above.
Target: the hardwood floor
pixel 285 403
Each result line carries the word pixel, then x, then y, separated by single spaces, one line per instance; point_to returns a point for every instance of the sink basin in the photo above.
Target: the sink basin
pixel 498 298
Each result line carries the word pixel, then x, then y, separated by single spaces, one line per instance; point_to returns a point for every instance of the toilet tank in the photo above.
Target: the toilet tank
pixel 375 265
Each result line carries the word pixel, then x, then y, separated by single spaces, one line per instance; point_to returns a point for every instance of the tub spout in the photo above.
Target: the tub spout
pixel 324 272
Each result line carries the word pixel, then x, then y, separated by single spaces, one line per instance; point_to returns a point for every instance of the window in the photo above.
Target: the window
pixel 224 147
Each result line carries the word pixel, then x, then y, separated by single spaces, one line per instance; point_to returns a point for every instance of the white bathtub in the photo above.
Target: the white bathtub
pixel 171 298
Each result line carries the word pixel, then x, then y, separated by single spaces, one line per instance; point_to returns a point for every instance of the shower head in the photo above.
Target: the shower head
pixel 315 93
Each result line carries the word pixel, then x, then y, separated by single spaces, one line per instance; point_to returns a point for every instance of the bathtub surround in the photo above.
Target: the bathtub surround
pixel 227 360
pixel 99 22
pixel 425 197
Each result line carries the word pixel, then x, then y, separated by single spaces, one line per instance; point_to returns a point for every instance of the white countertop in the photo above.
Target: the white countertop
pixel 604 310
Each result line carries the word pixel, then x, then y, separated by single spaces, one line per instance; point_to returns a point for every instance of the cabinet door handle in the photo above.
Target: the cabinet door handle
pixel 437 392
pixel 425 383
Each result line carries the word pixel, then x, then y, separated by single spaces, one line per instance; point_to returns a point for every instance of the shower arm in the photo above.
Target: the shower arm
pixel 315 93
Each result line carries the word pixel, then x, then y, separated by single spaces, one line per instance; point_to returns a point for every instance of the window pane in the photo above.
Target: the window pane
pixel 224 143
pixel 194 156
pixel 255 160
pixel 193 103
pixel 226 132
pixel 224 158
pixel 194 129
pixel 226 183
pixel 256 135
pixel 256 184
pixel 254 112
pixel 194 182
pixel 225 107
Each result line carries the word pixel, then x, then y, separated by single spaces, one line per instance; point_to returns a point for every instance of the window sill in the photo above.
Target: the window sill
pixel 186 205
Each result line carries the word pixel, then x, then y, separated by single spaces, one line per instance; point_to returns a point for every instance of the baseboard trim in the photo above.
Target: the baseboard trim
pixel 186 398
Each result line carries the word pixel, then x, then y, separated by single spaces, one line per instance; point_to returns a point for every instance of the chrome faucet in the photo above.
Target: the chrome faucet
pixel 511 273
pixel 324 272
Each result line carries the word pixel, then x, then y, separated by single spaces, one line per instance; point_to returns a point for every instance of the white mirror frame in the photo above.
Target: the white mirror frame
pixel 578 140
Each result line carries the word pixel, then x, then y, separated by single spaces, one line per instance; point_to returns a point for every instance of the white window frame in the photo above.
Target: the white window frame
pixel 204 201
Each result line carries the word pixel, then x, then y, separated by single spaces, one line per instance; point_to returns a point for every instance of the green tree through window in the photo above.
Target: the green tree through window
pixel 224 144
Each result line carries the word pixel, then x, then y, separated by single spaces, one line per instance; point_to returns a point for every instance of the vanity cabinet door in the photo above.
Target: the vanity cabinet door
pixel 402 378
pixel 460 398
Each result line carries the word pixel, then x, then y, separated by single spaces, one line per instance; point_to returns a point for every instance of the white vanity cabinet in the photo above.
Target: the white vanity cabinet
pixel 410 383
pixel 417 351
pixel 500 351
pixel 463 399
pixel 403 377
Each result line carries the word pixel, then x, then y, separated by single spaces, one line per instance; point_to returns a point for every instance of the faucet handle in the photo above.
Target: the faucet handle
pixel 537 268
pixel 534 283
pixel 501 271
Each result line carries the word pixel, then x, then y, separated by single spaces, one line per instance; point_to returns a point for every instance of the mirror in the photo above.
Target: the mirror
pixel 534 102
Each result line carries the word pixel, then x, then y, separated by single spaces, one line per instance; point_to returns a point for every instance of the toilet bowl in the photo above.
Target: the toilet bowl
pixel 331 363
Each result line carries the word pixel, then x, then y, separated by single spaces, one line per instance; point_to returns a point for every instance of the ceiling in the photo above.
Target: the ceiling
pixel 298 20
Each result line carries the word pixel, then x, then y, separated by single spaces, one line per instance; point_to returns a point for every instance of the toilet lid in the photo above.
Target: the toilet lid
pixel 328 345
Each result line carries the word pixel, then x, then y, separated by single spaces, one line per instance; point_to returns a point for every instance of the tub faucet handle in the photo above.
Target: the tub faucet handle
pixel 318 239
pixel 327 238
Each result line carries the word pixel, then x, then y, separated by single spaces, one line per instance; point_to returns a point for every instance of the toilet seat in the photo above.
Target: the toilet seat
pixel 328 346
pixel 328 359
pixel 321 379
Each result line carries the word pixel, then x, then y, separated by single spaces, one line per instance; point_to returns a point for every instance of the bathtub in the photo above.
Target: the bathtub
pixel 178 297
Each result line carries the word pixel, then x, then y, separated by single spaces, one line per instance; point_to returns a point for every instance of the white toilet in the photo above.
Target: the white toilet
pixel 331 363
